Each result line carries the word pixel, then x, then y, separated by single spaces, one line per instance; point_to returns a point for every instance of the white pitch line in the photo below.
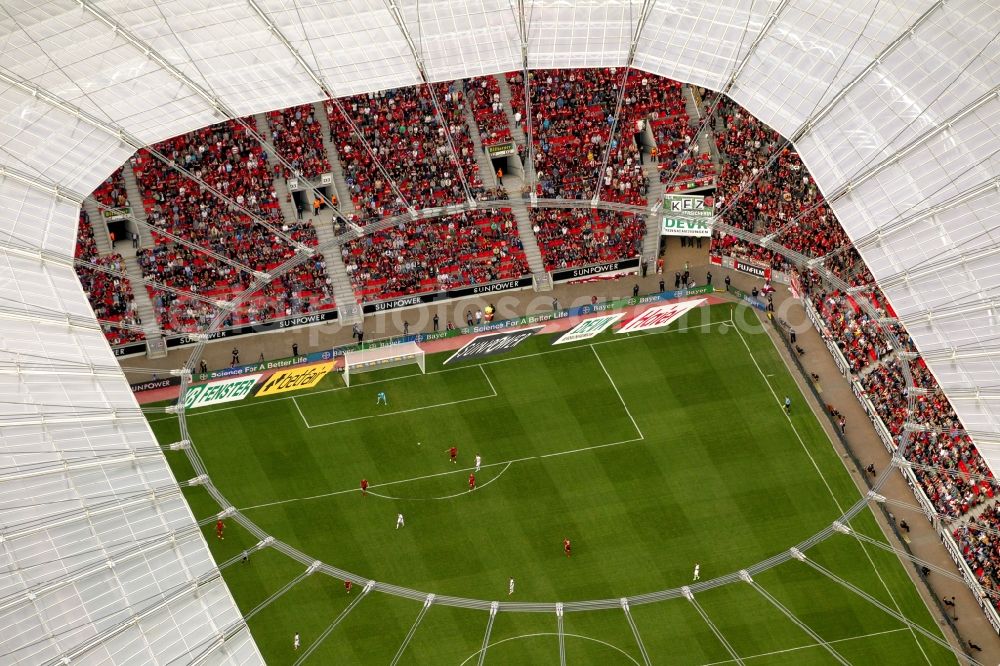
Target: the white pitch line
pixel 431 476
pixel 549 633
pixel 806 647
pixel 401 411
pixel 571 347
pixel 296 403
pixel 827 484
pixel 615 387
pixel 590 448
pixel 444 497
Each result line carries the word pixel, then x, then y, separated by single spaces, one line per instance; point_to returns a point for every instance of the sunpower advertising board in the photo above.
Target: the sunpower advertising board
pixel 226 390
pixel 295 379
pixel 659 316
pixel 588 328
pixel 494 343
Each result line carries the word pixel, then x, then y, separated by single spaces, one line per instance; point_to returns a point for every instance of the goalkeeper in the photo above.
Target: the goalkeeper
pixel 380 399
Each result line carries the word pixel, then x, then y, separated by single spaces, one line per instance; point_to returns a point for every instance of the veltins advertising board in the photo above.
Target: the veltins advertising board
pixel 588 328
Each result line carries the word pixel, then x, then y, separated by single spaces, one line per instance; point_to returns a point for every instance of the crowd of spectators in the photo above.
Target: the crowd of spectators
pixel 857 334
pixel 111 192
pixel 947 464
pixel 573 112
pixel 476 247
pixel 298 139
pixel 979 540
pixel 765 188
pixel 410 140
pixel 569 238
pixel 110 296
pixel 483 97
pixel 226 157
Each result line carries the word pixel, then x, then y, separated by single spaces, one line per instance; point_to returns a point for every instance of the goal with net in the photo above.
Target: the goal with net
pixel 380 358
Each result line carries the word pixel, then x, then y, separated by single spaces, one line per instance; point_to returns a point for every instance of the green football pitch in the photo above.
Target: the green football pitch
pixel 652 452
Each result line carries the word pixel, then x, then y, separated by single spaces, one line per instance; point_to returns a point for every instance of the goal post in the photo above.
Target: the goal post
pixel 380 358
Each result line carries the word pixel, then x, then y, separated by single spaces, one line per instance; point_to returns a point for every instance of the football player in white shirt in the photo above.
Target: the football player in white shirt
pixel 697 570
pixel 295 642
pixel 399 521
pixel 510 587
pixel 479 461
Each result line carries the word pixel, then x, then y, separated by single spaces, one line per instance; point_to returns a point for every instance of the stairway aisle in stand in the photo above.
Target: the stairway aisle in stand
pixel 135 202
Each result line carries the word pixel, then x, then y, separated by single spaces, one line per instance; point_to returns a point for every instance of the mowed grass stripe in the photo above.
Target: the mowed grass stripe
pixel 719 480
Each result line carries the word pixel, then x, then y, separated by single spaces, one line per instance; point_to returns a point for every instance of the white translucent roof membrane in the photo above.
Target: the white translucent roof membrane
pixel 898 120
pixel 95 529
pixel 700 41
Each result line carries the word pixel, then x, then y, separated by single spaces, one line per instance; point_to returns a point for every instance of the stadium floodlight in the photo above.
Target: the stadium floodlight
pixel 380 358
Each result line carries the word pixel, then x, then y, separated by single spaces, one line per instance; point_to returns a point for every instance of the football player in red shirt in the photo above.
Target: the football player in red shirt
pixel 453 454
pixel 472 482
pixel 364 487
pixel 566 546
pixel 219 526
pixel 347 586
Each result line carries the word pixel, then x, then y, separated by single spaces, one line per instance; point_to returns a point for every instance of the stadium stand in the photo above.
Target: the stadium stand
pixel 298 139
pixel 483 97
pixel 111 192
pixel 573 113
pixel 228 159
pixel 781 197
pixel 979 540
pixel 410 140
pixel 947 464
pixel 472 248
pixel 577 237
pixel 110 296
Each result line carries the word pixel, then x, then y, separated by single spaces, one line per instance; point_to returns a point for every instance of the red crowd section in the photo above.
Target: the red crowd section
pixel 411 134
pixel 435 255
pixel 298 138
pixel 110 296
pixel 229 159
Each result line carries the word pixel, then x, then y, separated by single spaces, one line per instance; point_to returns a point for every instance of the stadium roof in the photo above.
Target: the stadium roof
pixel 893 105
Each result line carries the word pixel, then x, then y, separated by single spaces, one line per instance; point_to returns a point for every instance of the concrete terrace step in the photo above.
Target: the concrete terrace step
pixel 288 211
pixel 343 291
pixel 135 202
pixel 531 250
pixel 346 205
pixel 101 238
pixel 486 173
pixel 517 132
pixel 651 241
pixel 706 139
pixel 143 304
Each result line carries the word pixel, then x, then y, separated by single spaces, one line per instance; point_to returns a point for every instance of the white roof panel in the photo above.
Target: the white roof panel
pixel 938 264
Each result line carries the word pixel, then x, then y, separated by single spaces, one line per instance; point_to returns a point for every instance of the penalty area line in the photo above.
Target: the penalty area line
pixel 445 497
